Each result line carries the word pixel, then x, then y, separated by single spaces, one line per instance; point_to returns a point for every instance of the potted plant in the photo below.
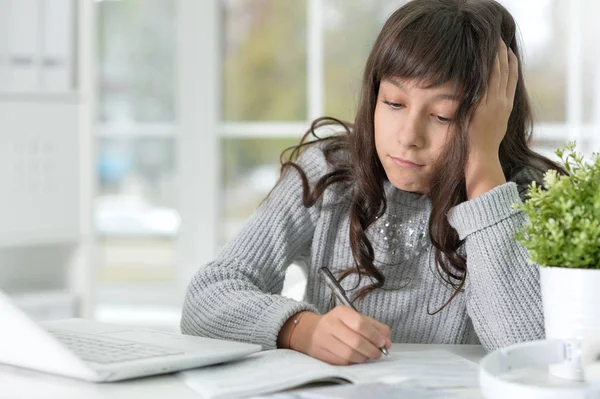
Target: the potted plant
pixel 562 236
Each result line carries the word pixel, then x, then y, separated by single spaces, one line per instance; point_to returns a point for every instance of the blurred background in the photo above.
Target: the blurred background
pixel 180 110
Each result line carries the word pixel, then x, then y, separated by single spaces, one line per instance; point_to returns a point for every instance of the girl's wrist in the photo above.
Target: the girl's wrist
pixel 295 322
pixel 301 339
pixel 483 174
pixel 291 335
pixel 284 332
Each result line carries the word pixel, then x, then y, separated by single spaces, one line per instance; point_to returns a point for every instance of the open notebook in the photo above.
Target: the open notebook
pixel 281 369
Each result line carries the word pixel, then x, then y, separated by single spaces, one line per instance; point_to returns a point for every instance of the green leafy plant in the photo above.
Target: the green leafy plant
pixel 563 229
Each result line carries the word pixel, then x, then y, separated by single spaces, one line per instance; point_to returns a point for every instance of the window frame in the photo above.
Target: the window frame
pixel 199 127
pixel 198 157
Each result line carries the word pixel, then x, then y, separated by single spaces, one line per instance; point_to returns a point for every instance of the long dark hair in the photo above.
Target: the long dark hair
pixel 433 41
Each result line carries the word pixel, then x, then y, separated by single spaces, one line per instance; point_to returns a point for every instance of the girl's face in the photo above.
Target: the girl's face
pixel 412 126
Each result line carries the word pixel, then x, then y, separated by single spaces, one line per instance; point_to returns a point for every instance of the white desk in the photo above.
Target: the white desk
pixel 21 383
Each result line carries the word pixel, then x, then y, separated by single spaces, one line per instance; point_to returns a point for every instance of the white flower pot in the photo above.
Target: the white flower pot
pixel 571 300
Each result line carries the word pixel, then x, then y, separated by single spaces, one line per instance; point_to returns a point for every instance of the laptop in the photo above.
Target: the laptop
pixel 101 352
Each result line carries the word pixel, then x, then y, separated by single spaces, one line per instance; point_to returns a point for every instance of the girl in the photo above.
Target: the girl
pixel 411 206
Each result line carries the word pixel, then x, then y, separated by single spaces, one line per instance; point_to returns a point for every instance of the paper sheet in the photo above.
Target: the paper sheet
pixel 374 390
pixel 268 371
pixel 428 372
pixel 433 368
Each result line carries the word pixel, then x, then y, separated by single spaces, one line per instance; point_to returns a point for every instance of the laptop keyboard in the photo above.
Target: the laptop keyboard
pixel 99 349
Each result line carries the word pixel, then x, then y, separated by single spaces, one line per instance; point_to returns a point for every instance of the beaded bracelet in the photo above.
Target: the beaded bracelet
pixel 295 323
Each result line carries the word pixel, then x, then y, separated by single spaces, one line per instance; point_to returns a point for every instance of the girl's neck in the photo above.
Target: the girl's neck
pixel 416 200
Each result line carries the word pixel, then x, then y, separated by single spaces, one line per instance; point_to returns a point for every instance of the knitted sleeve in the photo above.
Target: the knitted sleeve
pixel 237 296
pixel 502 286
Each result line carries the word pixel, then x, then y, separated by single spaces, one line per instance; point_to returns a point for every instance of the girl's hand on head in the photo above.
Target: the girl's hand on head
pixel 489 123
pixel 341 337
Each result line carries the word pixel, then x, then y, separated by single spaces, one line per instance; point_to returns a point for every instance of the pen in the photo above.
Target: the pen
pixel 340 294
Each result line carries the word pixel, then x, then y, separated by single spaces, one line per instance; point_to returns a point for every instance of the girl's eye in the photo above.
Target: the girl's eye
pixel 443 120
pixel 393 105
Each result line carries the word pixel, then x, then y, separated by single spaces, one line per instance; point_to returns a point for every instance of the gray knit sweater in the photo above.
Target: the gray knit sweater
pixel 237 296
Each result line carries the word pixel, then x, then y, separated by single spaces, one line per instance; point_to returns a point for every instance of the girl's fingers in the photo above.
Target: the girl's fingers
pixel 364 345
pixel 513 76
pixel 332 358
pixel 494 83
pixel 388 341
pixel 504 67
pixel 363 326
pixel 340 348
pixel 384 330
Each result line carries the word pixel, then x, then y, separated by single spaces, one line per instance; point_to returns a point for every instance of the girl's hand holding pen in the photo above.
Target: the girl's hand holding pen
pixel 342 336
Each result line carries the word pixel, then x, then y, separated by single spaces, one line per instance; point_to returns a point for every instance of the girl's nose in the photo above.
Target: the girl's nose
pixel 410 133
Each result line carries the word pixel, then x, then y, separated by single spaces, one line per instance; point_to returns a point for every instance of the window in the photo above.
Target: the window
pixel 316 56
pixel 264 92
pixel 591 66
pixel 136 219
pixel 264 60
pixel 281 63
pixel 544 39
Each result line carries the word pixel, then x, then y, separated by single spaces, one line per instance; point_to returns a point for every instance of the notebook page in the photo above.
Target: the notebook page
pixel 260 373
pixel 429 368
pixel 419 375
pixel 371 390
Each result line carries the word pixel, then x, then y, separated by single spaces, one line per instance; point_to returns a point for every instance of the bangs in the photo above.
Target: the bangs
pixel 434 49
